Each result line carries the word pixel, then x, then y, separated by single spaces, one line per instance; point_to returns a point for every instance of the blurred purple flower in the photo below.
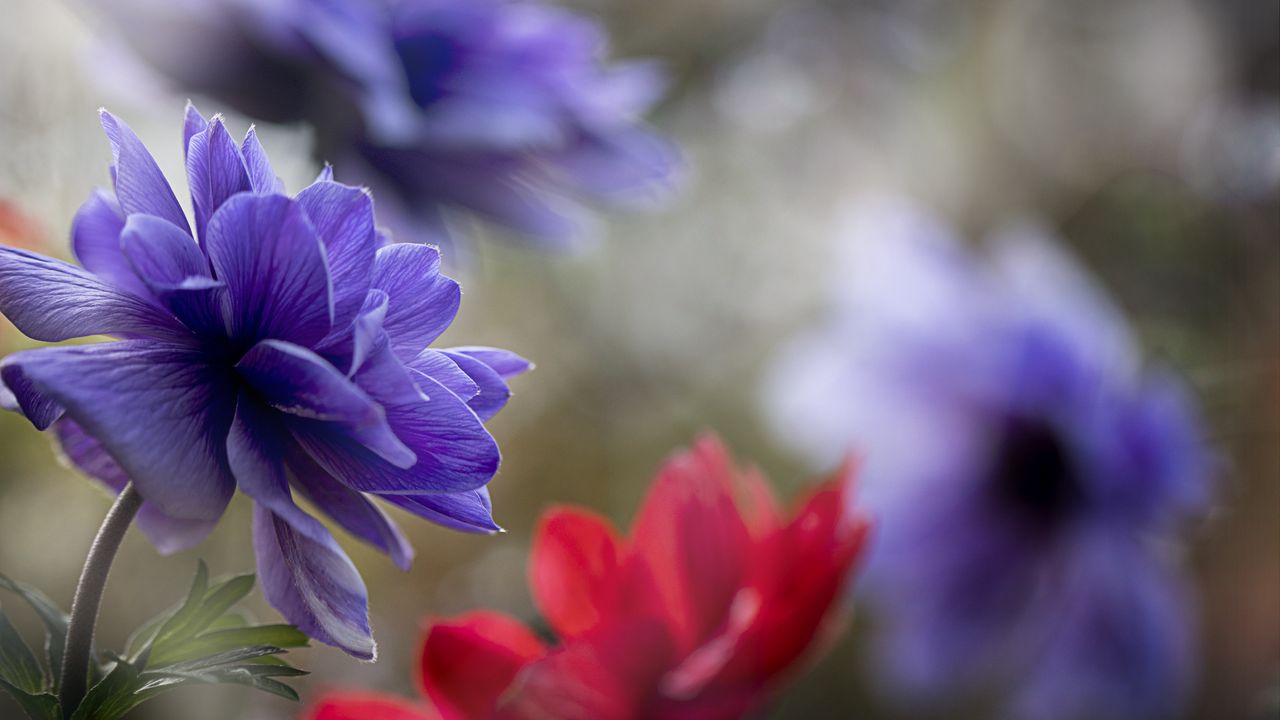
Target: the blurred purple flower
pixel 500 108
pixel 280 347
pixel 1026 473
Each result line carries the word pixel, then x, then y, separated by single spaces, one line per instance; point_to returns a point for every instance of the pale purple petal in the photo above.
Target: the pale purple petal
pixel 140 186
pixel 51 300
pixel 159 409
pixel 296 381
pixel 422 301
pixel 265 250
pixel 312 584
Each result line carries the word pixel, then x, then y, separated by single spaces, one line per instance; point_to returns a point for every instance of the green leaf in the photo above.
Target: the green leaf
pixel 18 665
pixel 111 697
pixel 219 600
pixel 210 643
pixel 54 619
pixel 38 706
pixel 201 640
pixel 189 608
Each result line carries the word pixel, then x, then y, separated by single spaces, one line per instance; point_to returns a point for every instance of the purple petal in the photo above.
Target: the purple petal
pixel 163 256
pixel 261 176
pixel 140 186
pixel 493 391
pixel 296 381
pixel 174 269
pixel 350 509
pixel 455 452
pixel 193 123
pixel 95 239
pixel 159 409
pixel 441 368
pixel 626 167
pixel 21 395
pixel 504 362
pixel 366 330
pixel 169 535
pixel 51 300
pixel 313 584
pixel 469 511
pixel 265 250
pixel 215 171
pixel 255 453
pixel 422 301
pixel 256 450
pixel 343 218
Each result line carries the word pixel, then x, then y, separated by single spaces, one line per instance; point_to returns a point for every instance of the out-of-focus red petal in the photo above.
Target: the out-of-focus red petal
pixel 573 570
pixel 367 706
pixel 692 536
pixel 468 662
pixel 611 673
pixel 759 504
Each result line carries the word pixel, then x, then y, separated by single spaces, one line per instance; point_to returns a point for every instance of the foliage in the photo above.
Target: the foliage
pixel 202 640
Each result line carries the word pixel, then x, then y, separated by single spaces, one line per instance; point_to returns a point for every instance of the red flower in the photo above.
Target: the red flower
pixel 698 614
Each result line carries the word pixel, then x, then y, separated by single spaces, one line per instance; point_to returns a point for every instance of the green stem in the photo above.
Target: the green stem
pixel 84 608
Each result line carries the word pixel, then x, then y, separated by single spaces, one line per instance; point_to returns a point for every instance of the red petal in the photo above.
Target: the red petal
pixel 692 537
pixel 367 706
pixel 468 662
pixel 611 673
pixel 573 570
pixel 759 505
pixel 801 593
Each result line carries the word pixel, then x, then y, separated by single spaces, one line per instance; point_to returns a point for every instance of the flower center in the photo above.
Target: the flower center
pixel 426 58
pixel 1034 473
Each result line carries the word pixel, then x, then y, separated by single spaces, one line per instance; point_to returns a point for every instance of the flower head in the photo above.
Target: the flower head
pixel 1026 472
pixel 698 614
pixel 279 347
pixel 497 108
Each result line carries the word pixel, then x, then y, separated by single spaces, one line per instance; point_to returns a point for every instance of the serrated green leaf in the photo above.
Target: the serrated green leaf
pixel 38 706
pixel 18 665
pixel 211 643
pixel 54 619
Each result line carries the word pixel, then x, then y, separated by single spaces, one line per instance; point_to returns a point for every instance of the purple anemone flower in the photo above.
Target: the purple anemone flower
pixel 1028 475
pixel 281 347
pixel 502 109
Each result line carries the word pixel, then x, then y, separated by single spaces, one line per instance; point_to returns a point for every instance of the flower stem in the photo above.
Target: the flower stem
pixel 84 608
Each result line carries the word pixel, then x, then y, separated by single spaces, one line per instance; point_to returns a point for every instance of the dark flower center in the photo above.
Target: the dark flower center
pixel 1034 473
pixel 427 59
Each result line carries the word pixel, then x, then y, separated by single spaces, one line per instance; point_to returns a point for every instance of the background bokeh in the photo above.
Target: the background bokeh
pixel 1145 132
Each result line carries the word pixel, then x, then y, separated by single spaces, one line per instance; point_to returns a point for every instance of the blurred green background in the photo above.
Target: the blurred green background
pixel 1146 132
